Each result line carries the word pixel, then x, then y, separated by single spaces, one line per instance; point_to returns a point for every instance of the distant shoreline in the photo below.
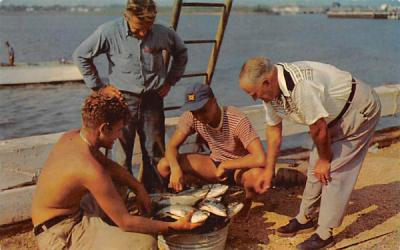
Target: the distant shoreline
pixel 162 10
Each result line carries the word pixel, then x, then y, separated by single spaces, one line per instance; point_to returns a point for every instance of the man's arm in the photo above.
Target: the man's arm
pixel 118 173
pixel 100 185
pixel 255 158
pixel 172 153
pixel 83 57
pixel 178 51
pixel 122 176
pixel 320 134
pixel 273 135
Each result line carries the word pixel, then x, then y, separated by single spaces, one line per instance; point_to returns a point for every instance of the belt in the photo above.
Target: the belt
pixel 130 93
pixel 347 104
pixel 50 223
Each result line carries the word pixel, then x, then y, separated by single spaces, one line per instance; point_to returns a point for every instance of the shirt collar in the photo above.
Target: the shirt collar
pixel 282 81
pixel 126 28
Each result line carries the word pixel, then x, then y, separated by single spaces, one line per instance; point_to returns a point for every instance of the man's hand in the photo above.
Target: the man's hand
pixel 164 90
pixel 322 171
pixel 263 183
pixel 184 224
pixel 176 180
pixel 111 91
pixel 221 172
pixel 144 201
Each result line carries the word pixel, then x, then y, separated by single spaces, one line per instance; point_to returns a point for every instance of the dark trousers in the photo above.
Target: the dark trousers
pixel 148 121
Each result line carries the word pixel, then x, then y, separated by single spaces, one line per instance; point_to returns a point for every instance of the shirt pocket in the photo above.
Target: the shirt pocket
pixel 123 62
pixel 152 61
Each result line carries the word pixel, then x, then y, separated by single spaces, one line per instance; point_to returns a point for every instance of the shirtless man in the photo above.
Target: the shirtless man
pixel 76 167
pixel 236 150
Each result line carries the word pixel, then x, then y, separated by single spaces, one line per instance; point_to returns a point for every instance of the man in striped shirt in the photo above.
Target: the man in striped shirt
pixel 236 150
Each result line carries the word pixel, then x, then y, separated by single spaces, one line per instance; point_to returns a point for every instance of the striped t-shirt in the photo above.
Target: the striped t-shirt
pixel 229 141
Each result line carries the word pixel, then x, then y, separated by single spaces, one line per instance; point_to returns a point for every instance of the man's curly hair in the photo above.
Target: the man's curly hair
pixel 99 108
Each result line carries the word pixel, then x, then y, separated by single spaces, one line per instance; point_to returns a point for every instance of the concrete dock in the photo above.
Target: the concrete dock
pixel 21 159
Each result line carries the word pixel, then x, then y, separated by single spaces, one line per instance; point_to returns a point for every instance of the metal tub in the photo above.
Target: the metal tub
pixel 208 241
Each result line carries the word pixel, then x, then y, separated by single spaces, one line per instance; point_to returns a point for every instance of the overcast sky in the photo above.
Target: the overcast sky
pixel 236 2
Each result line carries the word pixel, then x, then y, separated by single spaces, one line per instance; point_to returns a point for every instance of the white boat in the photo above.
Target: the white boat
pixel 42 72
pixel 393 16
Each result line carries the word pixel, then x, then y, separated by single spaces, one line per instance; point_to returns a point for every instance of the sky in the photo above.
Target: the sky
pixel 236 2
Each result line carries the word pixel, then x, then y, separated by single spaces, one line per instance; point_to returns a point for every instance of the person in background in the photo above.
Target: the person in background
pixel 236 150
pixel 10 53
pixel 76 167
pixel 341 112
pixel 134 47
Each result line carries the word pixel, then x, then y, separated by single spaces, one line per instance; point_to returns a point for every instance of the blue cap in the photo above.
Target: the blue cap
pixel 196 96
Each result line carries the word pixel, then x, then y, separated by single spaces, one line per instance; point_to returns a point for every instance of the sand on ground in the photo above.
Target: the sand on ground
pixel 372 220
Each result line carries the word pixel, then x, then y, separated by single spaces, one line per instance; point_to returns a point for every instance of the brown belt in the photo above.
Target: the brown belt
pixel 50 223
pixel 347 105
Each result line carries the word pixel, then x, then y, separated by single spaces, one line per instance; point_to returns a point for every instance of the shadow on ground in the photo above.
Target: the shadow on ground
pixel 373 205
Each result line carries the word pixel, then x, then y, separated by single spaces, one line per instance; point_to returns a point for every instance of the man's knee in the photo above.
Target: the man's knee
pixel 147 242
pixel 248 178
pixel 163 167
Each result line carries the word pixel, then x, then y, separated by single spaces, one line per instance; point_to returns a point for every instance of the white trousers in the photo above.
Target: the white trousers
pixel 350 138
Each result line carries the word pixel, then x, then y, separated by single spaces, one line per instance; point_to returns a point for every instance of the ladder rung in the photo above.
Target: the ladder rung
pixel 197 4
pixel 199 41
pixel 195 74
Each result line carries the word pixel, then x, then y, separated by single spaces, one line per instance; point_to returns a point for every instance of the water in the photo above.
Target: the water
pixel 368 48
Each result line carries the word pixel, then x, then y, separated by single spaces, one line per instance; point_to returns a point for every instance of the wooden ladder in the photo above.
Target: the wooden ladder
pixel 217 41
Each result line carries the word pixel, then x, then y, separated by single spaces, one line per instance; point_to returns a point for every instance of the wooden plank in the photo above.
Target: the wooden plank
pixel 15 205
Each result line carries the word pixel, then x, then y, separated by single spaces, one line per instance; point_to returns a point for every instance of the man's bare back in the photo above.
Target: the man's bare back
pixel 60 190
pixel 76 167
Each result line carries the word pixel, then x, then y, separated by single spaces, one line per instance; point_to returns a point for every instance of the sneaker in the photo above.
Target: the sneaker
pixel 294 227
pixel 315 242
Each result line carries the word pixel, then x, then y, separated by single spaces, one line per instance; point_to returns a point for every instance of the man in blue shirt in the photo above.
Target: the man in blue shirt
pixel 134 48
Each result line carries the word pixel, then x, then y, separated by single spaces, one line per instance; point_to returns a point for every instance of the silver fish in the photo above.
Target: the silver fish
pixel 213 206
pixel 199 216
pixel 156 197
pixel 179 200
pixel 179 211
pixel 196 192
pixel 234 208
pixel 215 190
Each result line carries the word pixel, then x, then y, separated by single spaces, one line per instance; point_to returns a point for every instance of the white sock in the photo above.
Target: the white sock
pixel 324 232
pixel 302 219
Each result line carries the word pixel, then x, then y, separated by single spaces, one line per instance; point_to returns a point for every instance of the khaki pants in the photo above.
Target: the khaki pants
pixel 86 230
pixel 350 139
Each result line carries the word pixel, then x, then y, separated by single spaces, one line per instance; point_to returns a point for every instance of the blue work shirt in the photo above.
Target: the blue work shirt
pixel 134 65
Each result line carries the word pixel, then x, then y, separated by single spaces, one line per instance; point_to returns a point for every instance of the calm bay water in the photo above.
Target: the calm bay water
pixel 368 48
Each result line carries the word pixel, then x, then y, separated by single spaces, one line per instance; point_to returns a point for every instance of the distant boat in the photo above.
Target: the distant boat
pixel 363 14
pixel 393 16
pixel 41 72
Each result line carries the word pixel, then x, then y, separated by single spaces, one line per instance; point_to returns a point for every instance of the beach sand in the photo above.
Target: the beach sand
pixel 372 220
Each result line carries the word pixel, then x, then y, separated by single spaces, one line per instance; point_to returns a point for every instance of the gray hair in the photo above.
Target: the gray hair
pixel 254 68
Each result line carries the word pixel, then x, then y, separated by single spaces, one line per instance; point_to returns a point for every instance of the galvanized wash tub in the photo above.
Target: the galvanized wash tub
pixel 207 241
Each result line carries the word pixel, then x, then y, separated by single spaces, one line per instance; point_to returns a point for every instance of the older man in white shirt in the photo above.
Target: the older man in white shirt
pixel 341 112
